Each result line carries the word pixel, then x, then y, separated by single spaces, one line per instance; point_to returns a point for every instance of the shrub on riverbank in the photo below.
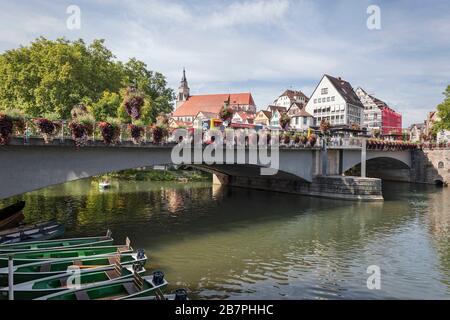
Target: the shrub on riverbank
pixel 163 175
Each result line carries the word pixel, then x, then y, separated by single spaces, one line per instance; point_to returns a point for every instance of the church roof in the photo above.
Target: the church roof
pixel 212 103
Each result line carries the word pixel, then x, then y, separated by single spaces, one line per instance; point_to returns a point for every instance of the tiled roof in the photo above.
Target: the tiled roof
pixel 275 108
pixel 293 93
pixel 246 115
pixel 209 115
pixel 268 114
pixel 301 113
pixel 211 103
pixel 345 90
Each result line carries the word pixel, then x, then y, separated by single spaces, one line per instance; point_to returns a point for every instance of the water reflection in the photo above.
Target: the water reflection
pixel 237 243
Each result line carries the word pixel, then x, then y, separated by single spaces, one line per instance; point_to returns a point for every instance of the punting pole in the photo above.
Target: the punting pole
pixel 11 277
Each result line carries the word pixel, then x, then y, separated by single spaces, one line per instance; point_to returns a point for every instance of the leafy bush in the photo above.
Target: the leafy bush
pixel 285 120
pixel 226 113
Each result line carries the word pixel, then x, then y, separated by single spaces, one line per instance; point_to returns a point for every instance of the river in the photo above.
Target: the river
pixel 229 243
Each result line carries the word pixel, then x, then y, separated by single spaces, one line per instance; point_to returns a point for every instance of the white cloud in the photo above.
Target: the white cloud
pixel 260 46
pixel 248 12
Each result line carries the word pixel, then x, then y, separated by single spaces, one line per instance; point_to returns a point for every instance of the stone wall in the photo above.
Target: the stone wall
pixel 431 166
pixel 336 187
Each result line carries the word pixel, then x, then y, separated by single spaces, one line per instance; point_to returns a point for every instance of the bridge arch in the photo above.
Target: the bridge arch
pixel 32 167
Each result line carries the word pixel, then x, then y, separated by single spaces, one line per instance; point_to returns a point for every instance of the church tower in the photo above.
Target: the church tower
pixel 183 90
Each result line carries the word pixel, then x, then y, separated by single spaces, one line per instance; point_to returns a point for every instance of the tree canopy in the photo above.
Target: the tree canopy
pixel 444 112
pixel 53 76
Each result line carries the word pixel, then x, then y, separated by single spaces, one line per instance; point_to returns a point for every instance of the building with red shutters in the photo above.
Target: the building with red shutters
pixel 378 116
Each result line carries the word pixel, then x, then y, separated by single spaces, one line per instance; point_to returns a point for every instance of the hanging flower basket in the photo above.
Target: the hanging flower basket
pixel 47 128
pixel 79 133
pixel 6 128
pixel 110 132
pixel 136 133
pixel 312 140
pixel 133 102
pixel 159 133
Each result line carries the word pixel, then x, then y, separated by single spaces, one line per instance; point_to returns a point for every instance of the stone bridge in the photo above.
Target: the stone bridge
pixel 309 171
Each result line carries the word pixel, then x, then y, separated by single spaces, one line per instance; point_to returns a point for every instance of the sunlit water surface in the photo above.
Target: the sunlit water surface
pixel 245 244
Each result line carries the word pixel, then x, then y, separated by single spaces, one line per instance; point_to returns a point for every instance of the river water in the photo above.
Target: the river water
pixel 221 242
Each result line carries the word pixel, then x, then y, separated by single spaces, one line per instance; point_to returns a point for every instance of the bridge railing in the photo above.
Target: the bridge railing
pixel 28 128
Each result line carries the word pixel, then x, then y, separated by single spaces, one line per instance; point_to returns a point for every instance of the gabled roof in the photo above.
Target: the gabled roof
pixel 293 93
pixel 272 109
pixel 345 89
pixel 209 115
pixel 242 99
pixel 301 113
pixel 212 103
pixel 298 105
pixel 245 115
pixel 418 125
pixel 268 114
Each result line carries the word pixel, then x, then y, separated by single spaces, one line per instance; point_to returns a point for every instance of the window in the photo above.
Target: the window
pixel 328 99
pixel 315 100
pixel 332 98
pixel 324 91
pixel 320 100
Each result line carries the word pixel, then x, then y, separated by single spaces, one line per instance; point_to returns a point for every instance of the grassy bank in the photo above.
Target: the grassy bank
pixel 187 175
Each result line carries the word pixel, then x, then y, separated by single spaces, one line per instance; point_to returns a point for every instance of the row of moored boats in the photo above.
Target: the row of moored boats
pixel 91 268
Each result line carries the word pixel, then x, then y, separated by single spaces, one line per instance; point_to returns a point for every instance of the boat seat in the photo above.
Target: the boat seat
pixel 130 288
pixel 77 263
pixel 123 249
pixel 82 295
pixel 45 267
pixel 112 260
pixel 112 274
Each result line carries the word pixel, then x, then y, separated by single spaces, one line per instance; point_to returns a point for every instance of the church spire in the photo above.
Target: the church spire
pixel 183 90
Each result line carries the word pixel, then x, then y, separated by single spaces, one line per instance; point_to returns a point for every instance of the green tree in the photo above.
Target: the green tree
pixel 154 86
pixel 106 106
pixel 53 76
pixel 443 113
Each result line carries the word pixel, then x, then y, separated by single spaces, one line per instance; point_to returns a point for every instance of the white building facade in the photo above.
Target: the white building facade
pixel 335 101
pixel 289 97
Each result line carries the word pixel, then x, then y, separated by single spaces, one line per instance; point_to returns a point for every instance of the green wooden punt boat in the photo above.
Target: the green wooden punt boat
pixel 41 287
pixel 49 255
pixel 58 244
pixel 38 270
pixel 127 289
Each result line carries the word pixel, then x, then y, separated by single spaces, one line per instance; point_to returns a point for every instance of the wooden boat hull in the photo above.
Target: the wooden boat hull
pixel 28 227
pixel 53 255
pixel 118 290
pixel 49 233
pixel 54 284
pixel 12 221
pixel 58 244
pixel 11 210
pixel 39 270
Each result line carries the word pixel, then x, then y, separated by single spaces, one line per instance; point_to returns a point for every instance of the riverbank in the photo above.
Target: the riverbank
pixel 169 175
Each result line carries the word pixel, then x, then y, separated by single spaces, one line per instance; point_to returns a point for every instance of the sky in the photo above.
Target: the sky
pixel 262 46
